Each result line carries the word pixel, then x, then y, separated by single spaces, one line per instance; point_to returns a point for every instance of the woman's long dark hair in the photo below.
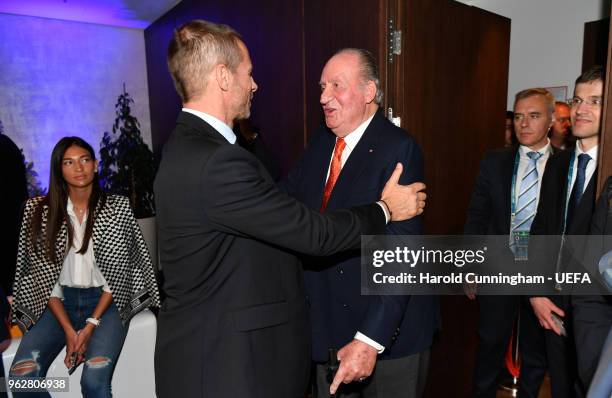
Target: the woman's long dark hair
pixel 57 200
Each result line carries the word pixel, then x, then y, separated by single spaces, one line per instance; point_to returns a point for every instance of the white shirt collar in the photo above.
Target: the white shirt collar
pixel 593 152
pixel 546 149
pixel 352 138
pixel 217 124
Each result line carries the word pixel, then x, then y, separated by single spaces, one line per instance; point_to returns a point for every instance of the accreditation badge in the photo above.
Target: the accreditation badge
pixel 520 240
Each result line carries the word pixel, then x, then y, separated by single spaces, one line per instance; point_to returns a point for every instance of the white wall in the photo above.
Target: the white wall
pixel 60 78
pixel 546 39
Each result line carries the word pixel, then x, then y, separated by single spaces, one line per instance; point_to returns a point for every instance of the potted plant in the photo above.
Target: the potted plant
pixel 127 167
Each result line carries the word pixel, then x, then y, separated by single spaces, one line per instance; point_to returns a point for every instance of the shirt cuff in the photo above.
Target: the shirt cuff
pixel 57 291
pixel 365 339
pixel 385 210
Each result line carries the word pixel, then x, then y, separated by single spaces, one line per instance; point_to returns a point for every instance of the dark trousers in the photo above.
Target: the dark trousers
pixel 559 352
pixel 496 320
pixel 4 332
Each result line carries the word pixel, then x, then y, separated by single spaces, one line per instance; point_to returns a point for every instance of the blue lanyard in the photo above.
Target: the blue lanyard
pixel 570 175
pixel 568 193
pixel 517 159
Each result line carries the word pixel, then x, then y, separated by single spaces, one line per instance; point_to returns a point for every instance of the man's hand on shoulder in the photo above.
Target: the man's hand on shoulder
pixel 357 360
pixel 403 201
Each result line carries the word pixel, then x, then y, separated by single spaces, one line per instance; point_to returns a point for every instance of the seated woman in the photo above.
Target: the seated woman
pixel 83 271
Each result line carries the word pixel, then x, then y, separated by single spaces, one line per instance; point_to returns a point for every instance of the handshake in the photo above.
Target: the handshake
pixel 402 201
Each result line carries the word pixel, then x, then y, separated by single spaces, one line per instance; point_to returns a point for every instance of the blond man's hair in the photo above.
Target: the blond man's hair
pixel 195 49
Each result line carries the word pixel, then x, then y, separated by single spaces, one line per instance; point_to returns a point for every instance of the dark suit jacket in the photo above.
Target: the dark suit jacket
pixel 550 217
pixel 490 206
pixel 553 194
pixel 489 209
pixel 601 225
pixel 592 312
pixel 235 322
pixel 333 284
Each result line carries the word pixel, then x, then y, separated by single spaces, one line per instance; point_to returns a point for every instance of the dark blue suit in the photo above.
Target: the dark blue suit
pixel 403 325
pixel 489 214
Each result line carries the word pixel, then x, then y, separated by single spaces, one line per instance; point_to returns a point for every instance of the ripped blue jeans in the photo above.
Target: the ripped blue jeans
pixel 46 339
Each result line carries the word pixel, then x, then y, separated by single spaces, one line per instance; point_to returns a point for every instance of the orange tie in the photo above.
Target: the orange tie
pixel 334 172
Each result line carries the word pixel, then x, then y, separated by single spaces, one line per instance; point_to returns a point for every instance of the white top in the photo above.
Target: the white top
pixel 524 161
pixel 217 124
pixel 590 169
pixel 79 270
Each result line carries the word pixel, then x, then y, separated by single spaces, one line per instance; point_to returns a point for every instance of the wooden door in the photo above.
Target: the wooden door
pixel 595 43
pixel 605 139
pixel 596 51
pixel 330 26
pixel 450 92
pixel 449 88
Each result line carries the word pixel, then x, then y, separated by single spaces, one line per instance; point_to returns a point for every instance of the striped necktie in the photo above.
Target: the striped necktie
pixel 525 208
pixel 526 203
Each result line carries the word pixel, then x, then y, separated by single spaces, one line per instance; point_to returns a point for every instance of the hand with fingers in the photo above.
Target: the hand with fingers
pixel 71 346
pixel 357 360
pixel 544 309
pixel 404 201
pixel 84 335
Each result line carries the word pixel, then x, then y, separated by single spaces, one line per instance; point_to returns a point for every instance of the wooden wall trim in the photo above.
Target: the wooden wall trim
pixel 605 139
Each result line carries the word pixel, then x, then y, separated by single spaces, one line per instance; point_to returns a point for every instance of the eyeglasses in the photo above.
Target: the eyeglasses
pixel 592 102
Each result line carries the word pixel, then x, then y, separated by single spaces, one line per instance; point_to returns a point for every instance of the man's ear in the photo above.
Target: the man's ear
pixel 370 91
pixel 552 119
pixel 223 77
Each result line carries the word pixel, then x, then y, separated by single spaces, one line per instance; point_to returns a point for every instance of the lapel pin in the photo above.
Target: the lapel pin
pixel 371 150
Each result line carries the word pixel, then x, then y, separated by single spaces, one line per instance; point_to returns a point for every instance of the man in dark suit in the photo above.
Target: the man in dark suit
pixel 235 322
pixel 387 335
pixel 593 313
pixel 566 208
pixel 13 194
pixel 503 203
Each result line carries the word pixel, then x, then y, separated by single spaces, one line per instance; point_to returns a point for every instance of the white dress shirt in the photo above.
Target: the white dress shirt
pixel 217 124
pixel 79 270
pixel 351 140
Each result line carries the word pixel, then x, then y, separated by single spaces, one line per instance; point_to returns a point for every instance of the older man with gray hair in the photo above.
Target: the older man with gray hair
pixel 381 342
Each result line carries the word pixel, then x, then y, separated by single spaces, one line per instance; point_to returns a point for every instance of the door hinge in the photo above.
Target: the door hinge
pixel 395 41
pixel 395 120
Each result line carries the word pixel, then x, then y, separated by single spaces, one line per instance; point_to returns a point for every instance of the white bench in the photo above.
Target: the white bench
pixel 134 374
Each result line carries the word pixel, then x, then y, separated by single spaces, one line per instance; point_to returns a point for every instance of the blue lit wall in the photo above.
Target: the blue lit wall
pixel 61 78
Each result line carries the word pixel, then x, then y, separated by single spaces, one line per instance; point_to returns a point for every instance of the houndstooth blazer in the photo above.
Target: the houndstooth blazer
pixel 120 253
